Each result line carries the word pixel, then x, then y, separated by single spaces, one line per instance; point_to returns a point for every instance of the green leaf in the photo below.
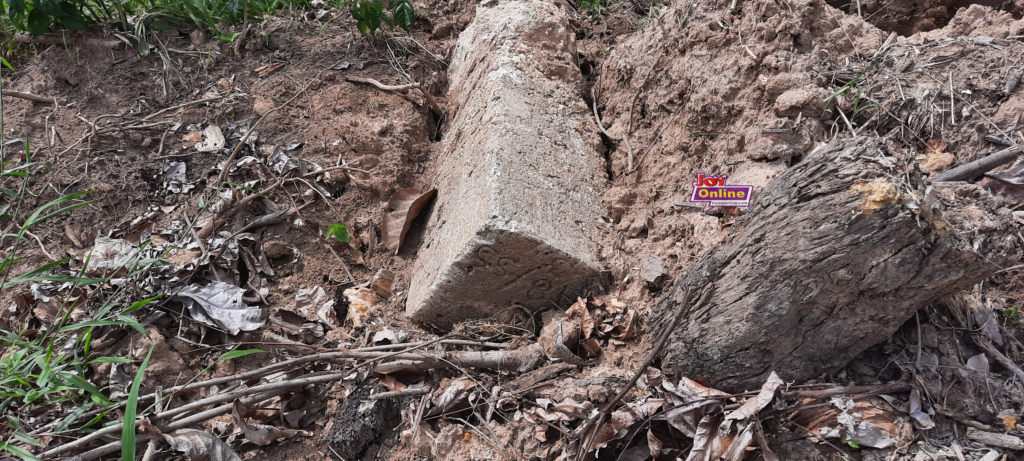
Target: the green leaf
pixel 404 14
pixel 111 360
pixel 130 408
pixel 16 8
pixel 25 438
pixel 50 7
pixel 85 386
pixel 140 304
pixel 340 232
pixel 239 353
pixel 38 22
pixel 18 451
pixel 70 17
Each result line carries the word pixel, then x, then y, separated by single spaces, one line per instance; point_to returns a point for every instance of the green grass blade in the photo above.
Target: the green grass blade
pixel 128 432
pixel 19 452
pixel 25 438
pixel 85 386
pixel 239 353
pixel 111 360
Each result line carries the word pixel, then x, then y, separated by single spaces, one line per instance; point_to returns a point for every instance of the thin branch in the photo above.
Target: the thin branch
pixel 28 96
pixel 230 163
pixel 434 107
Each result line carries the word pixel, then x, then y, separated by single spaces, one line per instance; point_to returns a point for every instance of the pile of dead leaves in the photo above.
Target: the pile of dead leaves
pixel 602 321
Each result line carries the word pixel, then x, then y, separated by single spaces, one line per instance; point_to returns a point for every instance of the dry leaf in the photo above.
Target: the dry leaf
pixel 654 444
pixel 360 301
pixel 141 234
pixel 214 140
pixel 200 445
pixel 934 147
pixel 587 322
pixel 739 445
pixel 624 326
pixel 193 137
pixel 752 406
pixel 611 430
pixel 654 377
pixel 921 419
pixel 860 422
pixel 355 254
pixel 1009 422
pixel 392 384
pixel 382 282
pixel 456 394
pixel 935 159
pixel 219 304
pixel 402 209
pixel 592 347
pixel 261 434
pixel 315 305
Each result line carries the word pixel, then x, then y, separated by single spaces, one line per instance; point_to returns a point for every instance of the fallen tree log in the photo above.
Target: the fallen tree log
pixel 836 254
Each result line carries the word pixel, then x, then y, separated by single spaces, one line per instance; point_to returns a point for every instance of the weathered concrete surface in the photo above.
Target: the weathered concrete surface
pixel 519 176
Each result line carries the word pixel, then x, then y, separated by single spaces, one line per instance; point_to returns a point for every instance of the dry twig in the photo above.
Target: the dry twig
pixel 980 166
pixel 434 107
pixel 28 96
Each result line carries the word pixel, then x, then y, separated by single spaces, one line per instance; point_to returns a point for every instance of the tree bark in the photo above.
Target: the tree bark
pixel 836 254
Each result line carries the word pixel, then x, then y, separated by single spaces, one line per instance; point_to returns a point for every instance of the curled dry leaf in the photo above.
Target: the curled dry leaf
pixel 858 421
pixel 219 304
pixel 214 140
pixel 200 445
pixel 388 336
pixel 381 283
pixel 261 434
pixel 453 396
pixel 752 406
pixel 654 444
pixel 579 310
pixel 392 384
pixel 360 301
pixel 109 256
pixel 624 326
pixel 402 209
pixel 934 159
pixel 654 377
pixel 921 419
pixel 716 437
pixel 614 428
pixel 315 305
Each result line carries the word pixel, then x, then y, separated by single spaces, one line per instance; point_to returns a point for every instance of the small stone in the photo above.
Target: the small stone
pixel 277 249
pixel 653 271
pixel 783 82
pixel 197 37
pixel 807 99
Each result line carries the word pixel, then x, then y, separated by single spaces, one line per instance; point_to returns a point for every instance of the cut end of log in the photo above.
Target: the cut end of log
pixel 833 258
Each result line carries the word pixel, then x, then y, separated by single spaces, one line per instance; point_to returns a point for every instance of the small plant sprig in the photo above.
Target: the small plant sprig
pixel 340 232
pixel 369 14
